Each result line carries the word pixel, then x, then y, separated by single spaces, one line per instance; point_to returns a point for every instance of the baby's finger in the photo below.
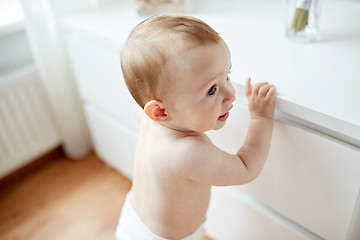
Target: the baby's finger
pixel 255 90
pixel 264 90
pixel 271 93
pixel 248 87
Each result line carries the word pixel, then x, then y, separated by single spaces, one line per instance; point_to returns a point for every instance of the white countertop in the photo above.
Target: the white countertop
pixel 317 83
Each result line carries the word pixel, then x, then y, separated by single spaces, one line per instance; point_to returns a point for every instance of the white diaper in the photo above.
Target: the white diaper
pixel 131 227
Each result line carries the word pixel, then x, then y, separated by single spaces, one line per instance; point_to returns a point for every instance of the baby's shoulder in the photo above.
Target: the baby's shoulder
pixel 190 146
pixel 197 139
pixel 191 153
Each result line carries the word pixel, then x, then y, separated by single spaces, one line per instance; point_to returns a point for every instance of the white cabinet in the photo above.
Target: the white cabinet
pixel 113 141
pixel 230 218
pixel 310 178
pixel 108 105
pixel 99 79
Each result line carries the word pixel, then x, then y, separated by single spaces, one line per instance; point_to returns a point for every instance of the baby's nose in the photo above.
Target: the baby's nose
pixel 230 94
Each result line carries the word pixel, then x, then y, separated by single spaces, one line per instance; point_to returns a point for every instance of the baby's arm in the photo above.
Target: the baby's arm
pixel 256 146
pixel 205 163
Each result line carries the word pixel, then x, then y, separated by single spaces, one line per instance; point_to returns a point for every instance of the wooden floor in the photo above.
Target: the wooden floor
pixel 65 199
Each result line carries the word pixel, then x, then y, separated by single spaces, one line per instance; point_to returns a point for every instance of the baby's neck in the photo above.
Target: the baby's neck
pixel 169 129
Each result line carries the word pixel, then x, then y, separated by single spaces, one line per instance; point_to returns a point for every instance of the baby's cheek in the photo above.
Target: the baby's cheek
pixel 205 124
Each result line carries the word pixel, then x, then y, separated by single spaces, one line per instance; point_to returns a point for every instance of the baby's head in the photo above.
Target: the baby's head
pixel 176 68
pixel 152 44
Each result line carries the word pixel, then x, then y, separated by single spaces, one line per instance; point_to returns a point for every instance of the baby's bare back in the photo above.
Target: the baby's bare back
pixel 170 205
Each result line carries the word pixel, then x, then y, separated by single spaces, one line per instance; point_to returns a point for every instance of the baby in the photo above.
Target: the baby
pixel 176 68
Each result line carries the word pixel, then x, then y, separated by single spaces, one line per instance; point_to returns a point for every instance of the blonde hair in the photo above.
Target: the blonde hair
pixel 151 43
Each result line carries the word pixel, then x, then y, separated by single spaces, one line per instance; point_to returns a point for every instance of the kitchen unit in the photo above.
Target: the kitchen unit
pixel 309 188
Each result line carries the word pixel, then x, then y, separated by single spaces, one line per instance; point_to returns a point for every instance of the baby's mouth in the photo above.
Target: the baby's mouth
pixel 223 118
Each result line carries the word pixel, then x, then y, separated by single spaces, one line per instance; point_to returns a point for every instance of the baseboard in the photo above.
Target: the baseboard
pixel 31 167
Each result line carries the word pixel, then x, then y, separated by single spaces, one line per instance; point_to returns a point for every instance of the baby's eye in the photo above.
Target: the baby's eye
pixel 212 90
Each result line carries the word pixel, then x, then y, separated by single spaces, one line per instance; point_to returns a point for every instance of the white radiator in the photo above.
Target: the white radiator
pixel 26 128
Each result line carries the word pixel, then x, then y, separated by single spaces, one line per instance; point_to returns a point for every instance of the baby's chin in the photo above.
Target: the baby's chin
pixel 219 125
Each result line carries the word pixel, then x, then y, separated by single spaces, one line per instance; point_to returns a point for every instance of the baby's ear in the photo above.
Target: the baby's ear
pixel 155 109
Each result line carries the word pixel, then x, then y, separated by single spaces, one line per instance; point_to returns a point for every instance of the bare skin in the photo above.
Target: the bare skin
pixel 176 164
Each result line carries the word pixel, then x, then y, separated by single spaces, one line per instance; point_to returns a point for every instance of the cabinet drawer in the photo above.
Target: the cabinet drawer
pixel 99 79
pixel 230 218
pixel 311 178
pixel 114 142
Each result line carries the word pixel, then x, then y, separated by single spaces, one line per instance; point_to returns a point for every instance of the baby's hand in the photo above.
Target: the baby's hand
pixel 261 99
